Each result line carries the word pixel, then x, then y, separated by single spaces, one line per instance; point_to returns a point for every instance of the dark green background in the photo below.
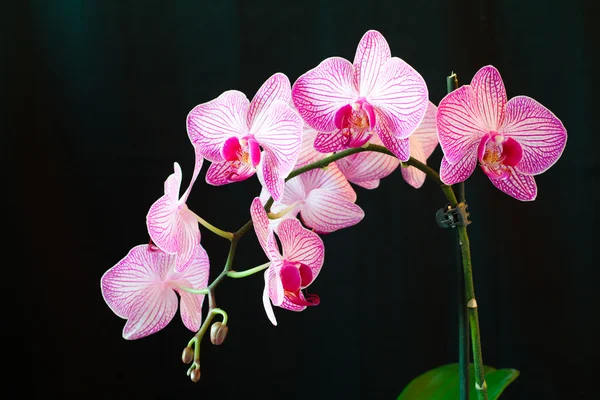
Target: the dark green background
pixel 99 92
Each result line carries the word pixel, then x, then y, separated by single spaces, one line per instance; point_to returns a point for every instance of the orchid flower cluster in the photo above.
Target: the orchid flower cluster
pixel 339 124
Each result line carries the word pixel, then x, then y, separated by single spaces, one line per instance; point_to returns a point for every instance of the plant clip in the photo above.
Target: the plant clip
pixel 449 217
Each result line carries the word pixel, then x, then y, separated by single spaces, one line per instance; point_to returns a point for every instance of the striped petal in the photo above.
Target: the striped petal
pixel 489 90
pixel 329 178
pixel 327 211
pixel 279 131
pixel 210 124
pixel 171 226
pixel 301 245
pixel 277 87
pixel 222 173
pixel 264 234
pixel 134 290
pixel 371 54
pixel 540 133
pixel 412 175
pixel 195 276
pixel 400 147
pixel 187 238
pixel 272 179
pixel 422 143
pixel 199 161
pixel 459 125
pixel 308 153
pixel 426 134
pixel 157 307
pixel 400 96
pixel 331 142
pixel 459 172
pixel 367 168
pixel 322 91
pixel 520 186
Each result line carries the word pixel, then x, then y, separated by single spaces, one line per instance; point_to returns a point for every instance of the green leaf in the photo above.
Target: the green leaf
pixel 442 383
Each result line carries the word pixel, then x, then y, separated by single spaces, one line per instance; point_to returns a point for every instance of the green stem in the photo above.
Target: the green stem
pixel 463 322
pixel 248 272
pixel 212 228
pixel 480 384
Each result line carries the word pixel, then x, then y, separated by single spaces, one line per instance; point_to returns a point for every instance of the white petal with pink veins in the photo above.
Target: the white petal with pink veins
pixel 520 186
pixel 223 173
pixel 412 175
pixel 491 97
pixel 331 142
pixel 400 96
pixel 210 124
pixel 277 87
pixel 459 127
pixel 400 147
pixel 426 134
pixel 367 168
pixel 195 276
pixel 371 54
pixel 540 133
pixel 279 131
pixel 329 178
pixel 327 211
pixel 459 172
pixel 263 233
pixel 308 153
pixel 322 91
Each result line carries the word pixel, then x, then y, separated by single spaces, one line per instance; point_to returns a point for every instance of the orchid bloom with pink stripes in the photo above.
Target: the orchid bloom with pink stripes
pixel 322 196
pixel 141 288
pixel 172 227
pixel 292 270
pixel 324 199
pixel 348 102
pixel 367 168
pixel 511 140
pixel 230 131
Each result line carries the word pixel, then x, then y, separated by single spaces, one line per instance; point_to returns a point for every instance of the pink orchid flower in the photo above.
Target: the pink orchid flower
pixel 512 140
pixel 141 288
pixel 348 102
pixel 172 227
pixel 230 131
pixel 292 270
pixel 323 198
pixel 367 168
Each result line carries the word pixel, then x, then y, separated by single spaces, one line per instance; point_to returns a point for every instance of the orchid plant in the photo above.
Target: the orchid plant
pixel 339 124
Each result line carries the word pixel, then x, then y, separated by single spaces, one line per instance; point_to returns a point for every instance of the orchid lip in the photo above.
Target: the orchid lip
pixel 496 153
pixel 356 121
pixel 241 149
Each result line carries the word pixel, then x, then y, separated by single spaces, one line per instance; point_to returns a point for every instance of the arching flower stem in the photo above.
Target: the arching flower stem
pixel 463 241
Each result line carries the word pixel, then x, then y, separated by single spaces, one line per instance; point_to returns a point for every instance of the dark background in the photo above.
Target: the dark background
pixel 99 92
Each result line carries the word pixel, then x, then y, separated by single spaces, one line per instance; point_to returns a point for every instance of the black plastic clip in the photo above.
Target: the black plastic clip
pixel 449 217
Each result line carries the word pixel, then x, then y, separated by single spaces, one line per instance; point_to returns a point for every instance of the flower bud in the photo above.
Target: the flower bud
pixel 188 355
pixel 195 375
pixel 218 333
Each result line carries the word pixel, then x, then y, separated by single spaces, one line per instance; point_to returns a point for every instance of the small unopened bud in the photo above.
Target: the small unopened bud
pixel 188 355
pixel 218 333
pixel 195 375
